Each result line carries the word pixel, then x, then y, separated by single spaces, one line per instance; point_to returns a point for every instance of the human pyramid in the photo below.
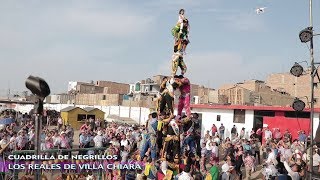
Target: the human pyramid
pixel 171 138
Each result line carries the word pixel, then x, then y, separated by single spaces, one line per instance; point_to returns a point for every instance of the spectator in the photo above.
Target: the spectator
pixel 221 131
pixel 249 165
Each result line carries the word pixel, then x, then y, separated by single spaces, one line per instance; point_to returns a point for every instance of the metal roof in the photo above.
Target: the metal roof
pixel 89 109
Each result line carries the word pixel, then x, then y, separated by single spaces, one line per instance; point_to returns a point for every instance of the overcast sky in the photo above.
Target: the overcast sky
pixel 127 41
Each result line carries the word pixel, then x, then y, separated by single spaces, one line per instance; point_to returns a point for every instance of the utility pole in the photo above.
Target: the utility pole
pixel 312 74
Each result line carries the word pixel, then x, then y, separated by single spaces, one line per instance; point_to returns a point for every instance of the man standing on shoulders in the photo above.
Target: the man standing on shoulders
pixel 184 99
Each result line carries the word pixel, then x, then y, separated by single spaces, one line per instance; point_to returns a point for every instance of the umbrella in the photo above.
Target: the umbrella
pixel 6 121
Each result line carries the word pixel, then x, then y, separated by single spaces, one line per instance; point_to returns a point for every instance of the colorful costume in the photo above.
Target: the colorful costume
pixel 177 61
pixel 184 99
pixel 181 32
pixel 172 144
pixel 167 98
pixel 188 128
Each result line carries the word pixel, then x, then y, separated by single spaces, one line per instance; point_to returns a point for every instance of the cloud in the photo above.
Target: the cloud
pixel 238 21
pixel 220 68
pixel 63 41
pixel 107 23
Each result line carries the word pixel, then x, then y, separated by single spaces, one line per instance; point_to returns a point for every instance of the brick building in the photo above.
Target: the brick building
pixel 295 86
pixel 255 92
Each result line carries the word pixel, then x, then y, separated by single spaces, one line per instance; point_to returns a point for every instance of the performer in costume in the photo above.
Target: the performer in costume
pixel 188 129
pixel 172 144
pixel 163 120
pixel 184 99
pixel 151 137
pixel 181 32
pixel 197 132
pixel 177 61
pixel 166 96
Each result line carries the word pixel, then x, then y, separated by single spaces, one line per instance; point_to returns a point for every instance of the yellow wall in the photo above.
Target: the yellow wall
pixel 98 114
pixel 71 117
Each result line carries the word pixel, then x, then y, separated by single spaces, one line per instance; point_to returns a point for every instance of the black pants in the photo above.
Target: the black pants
pixel 172 150
pixel 257 155
pixel 166 99
pixel 160 140
pixel 197 141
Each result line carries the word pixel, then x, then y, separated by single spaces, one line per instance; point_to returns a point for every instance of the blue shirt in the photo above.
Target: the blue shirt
pixel 84 139
pixel 302 137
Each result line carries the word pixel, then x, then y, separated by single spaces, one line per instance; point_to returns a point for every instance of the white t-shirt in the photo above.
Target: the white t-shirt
pixel 56 140
pixel 124 142
pixel 316 159
pixel 208 147
pixel 98 141
pixel 267 134
pixel 271 158
pixel 60 121
pixel 181 18
pixel 215 150
pixel 169 86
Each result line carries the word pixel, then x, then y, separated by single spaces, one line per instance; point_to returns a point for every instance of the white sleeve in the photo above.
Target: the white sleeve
pixel 180 20
pixel 286 165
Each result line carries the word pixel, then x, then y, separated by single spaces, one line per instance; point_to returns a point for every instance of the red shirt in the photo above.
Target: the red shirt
pixel 214 129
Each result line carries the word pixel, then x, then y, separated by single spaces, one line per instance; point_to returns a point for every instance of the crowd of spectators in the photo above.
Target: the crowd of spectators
pixel 239 156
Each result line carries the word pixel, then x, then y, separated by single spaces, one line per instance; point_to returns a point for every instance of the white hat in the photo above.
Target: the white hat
pixel 225 167
pixel 99 133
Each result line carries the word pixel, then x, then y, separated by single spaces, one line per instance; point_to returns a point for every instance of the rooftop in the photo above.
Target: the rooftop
pixel 262 108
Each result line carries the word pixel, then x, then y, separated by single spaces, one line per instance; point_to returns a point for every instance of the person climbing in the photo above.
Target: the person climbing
pixel 177 61
pixel 166 98
pixel 184 99
pixel 151 137
pixel 181 32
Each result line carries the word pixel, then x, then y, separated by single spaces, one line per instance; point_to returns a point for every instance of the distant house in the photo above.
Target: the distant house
pixel 74 116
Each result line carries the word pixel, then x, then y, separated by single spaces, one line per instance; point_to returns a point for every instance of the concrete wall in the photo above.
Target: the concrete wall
pixel 295 86
pixel 114 87
pixel 209 117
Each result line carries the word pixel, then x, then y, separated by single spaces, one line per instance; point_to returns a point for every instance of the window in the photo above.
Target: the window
pixel 81 117
pixel 239 116
pixel 137 87
pixel 295 114
pixel 89 116
pixel 218 117
pixel 104 97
